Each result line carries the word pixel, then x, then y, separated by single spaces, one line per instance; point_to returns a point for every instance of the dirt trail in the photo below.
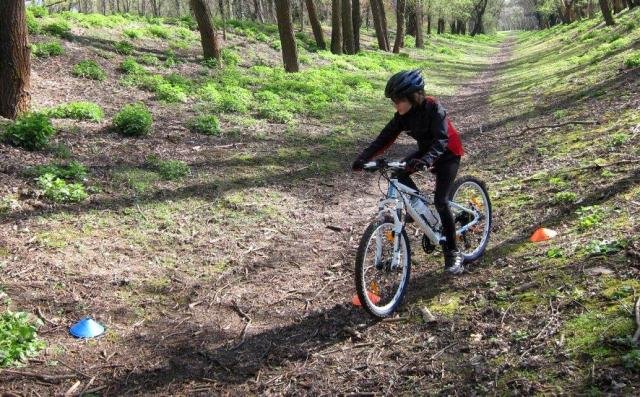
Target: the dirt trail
pixel 283 323
pixel 290 322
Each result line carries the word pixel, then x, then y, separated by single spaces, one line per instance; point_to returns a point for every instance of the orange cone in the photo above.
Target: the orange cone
pixel 543 234
pixel 372 297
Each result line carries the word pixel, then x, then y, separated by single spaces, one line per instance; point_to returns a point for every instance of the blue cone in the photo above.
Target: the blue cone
pixel 87 328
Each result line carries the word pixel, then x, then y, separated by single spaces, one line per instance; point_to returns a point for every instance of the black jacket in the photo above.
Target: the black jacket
pixel 426 123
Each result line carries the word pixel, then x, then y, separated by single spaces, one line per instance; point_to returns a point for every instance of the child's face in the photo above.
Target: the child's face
pixel 402 105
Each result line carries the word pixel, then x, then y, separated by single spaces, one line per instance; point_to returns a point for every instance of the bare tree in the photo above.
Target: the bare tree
pixel 606 12
pixel 315 24
pixel 15 59
pixel 336 27
pixel 379 25
pixel 285 27
pixel 400 26
pixel 419 18
pixel 202 13
pixel 347 28
pixel 357 22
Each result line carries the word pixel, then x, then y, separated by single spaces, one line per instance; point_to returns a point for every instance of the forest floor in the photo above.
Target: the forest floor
pixel 232 282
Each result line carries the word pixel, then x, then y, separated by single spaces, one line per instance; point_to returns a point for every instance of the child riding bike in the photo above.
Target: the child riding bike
pixel 439 149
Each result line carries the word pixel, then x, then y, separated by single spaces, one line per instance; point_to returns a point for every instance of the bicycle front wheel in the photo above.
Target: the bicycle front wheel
pixel 382 272
pixel 471 194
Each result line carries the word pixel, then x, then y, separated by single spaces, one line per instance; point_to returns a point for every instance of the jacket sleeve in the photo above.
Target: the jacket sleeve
pixel 441 134
pixel 386 137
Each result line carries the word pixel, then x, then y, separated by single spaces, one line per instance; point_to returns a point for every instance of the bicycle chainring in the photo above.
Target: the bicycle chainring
pixel 427 245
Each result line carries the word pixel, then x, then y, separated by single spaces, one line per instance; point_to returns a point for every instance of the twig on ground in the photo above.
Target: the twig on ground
pixel 46 320
pixel 42 377
pixel 238 310
pixel 334 228
pixel 72 390
pixel 439 353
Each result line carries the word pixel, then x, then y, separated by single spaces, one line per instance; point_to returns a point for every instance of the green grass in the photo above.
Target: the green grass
pixel 170 170
pixel 77 111
pixel 205 124
pixel 47 49
pixel 89 69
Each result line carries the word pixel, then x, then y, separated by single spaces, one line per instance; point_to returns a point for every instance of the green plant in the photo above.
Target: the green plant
pixel 38 11
pixel 554 253
pixel 169 169
pixel 560 113
pixel 77 111
pixel 123 47
pixel 133 120
pixel 230 57
pixel 73 171
pixel 44 50
pixel 18 338
pixel 149 59
pixel 158 31
pixel 61 191
pixel 58 28
pixel 89 69
pixel 565 197
pixel 605 247
pixel 589 216
pixel 132 33
pixel 130 66
pixel 631 360
pixel 618 139
pixel 33 26
pixel 31 131
pixel 205 124
pixel 170 93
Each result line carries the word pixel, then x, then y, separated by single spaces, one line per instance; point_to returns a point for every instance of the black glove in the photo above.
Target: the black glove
pixel 416 165
pixel 358 165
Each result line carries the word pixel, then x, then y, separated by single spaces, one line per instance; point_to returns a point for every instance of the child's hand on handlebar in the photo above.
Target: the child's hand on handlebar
pixel 358 165
pixel 417 164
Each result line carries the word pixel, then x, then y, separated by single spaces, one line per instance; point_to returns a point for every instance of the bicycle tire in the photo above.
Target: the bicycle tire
pixel 456 185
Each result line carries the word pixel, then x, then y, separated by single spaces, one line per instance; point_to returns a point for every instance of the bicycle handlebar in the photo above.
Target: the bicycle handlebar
pixel 383 164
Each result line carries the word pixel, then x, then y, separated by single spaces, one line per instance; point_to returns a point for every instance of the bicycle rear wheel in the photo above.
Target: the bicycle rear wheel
pixel 381 282
pixel 471 193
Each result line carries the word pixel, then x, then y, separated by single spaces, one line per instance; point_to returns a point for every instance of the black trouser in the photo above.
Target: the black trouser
pixel 445 170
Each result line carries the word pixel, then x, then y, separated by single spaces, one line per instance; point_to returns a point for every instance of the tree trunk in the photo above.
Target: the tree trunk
pixel 410 18
pixel 377 24
pixel 440 26
pixel 347 28
pixel 15 60
pixel 429 24
pixel 258 10
pixel 315 25
pixel 357 22
pixel 606 12
pixel 400 26
pixel 336 27
pixel 419 18
pixel 302 15
pixel 478 27
pixel 285 27
pixel 617 6
pixel 202 13
pixel 224 19
pixel 383 20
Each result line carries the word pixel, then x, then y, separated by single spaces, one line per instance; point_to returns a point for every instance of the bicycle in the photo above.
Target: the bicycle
pixel 391 250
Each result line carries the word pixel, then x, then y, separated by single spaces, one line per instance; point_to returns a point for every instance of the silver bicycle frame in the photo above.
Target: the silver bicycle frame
pixel 391 205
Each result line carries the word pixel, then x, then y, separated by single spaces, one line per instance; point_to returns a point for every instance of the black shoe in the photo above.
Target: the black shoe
pixel 453 262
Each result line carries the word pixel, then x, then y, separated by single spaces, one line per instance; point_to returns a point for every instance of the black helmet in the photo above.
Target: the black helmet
pixel 404 83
